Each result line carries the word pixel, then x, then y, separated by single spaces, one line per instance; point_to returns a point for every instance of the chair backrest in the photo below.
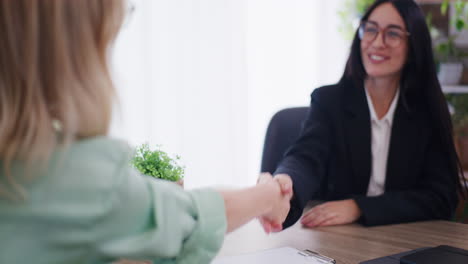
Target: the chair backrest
pixel 283 129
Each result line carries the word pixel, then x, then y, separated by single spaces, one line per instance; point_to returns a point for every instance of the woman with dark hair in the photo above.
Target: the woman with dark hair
pixel 378 145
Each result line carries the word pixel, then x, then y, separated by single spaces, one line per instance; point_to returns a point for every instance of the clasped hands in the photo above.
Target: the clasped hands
pixel 326 214
pixel 272 220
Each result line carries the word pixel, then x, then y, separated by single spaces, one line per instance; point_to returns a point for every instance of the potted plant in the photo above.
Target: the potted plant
pixel 449 56
pixel 158 164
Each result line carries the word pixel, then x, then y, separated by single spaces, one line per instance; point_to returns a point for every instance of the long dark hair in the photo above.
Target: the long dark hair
pixel 419 82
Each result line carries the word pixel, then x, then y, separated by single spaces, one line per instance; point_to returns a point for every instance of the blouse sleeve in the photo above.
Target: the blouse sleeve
pixel 148 219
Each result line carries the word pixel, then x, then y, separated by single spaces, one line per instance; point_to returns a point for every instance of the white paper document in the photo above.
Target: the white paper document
pixel 284 255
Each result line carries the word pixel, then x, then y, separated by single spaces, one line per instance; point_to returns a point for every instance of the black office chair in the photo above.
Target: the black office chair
pixel 283 130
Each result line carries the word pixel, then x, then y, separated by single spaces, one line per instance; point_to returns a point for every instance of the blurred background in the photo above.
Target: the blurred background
pixel 202 78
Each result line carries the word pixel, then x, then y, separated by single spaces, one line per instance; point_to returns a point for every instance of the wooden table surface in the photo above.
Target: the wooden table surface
pixel 349 243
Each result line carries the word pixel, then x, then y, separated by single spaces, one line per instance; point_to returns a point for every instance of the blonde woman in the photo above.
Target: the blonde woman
pixel 67 194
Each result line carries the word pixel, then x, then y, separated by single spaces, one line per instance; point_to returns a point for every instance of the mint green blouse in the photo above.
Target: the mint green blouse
pixel 89 206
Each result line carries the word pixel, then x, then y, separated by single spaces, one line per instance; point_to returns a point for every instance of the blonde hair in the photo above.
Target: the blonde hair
pixel 53 66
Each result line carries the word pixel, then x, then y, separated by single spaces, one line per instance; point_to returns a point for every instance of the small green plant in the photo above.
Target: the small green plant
pixel 157 164
pixel 460 18
pixel 446 50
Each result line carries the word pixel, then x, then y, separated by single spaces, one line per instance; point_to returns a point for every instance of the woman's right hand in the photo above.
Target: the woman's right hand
pixel 282 191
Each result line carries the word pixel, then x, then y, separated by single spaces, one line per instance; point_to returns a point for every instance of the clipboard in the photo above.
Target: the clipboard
pixel 277 256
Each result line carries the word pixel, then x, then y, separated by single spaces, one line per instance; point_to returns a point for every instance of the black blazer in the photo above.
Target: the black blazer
pixel 331 160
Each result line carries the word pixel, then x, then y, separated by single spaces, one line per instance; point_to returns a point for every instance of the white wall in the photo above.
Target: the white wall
pixel 293 47
pixel 203 77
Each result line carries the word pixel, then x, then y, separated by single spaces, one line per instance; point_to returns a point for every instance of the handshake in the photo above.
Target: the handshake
pixel 280 191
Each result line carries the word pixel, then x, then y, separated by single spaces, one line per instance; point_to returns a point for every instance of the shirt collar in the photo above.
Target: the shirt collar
pixel 388 117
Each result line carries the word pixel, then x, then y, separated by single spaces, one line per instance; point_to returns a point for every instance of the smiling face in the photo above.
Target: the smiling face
pixel 385 55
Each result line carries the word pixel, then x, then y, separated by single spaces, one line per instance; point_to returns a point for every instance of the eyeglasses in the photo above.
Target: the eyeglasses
pixel 393 36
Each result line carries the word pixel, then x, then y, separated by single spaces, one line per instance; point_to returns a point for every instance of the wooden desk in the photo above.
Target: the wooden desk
pixel 350 243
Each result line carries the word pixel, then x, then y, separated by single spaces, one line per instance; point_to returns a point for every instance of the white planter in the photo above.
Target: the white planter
pixel 450 73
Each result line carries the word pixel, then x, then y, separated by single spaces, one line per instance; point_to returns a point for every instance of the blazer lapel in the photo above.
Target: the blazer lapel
pixel 358 136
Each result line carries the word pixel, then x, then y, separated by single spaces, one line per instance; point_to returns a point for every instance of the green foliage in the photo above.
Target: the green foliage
pixel 444 7
pixel 362 5
pixel 459 102
pixel 429 20
pixel 447 50
pixel 461 15
pixel 157 163
pixel 351 11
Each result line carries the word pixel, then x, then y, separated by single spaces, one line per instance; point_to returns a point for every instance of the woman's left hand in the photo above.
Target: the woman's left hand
pixel 332 213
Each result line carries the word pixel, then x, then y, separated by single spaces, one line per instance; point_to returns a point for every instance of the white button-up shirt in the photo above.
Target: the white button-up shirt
pixel 381 131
